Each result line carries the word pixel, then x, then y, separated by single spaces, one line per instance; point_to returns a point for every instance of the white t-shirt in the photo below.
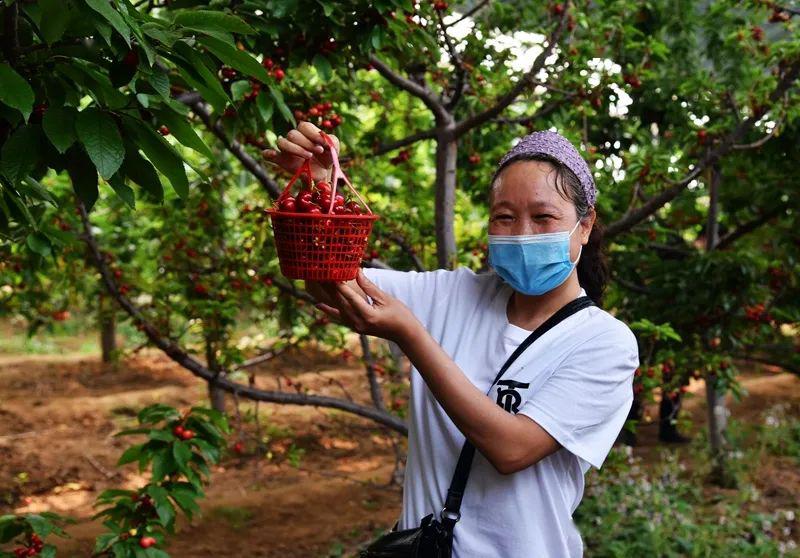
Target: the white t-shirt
pixel 575 381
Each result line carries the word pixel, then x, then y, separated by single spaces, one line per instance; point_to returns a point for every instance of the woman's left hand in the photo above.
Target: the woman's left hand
pixel 386 317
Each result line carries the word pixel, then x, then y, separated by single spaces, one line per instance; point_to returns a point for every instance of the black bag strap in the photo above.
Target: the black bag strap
pixel 451 512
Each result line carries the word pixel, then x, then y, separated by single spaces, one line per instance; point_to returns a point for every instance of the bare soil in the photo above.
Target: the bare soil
pixel 57 452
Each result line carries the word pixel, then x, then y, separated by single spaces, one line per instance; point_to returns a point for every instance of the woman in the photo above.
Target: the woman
pixel 559 408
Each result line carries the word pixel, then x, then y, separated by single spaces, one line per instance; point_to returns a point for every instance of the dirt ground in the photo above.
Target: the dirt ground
pixel 58 415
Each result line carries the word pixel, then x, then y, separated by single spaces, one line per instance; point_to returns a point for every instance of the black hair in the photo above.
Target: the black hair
pixel 593 273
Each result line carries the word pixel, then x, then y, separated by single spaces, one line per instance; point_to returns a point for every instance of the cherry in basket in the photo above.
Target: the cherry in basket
pixel 320 232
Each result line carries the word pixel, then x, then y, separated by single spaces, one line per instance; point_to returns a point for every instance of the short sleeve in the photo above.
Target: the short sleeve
pixel 421 291
pixel 585 402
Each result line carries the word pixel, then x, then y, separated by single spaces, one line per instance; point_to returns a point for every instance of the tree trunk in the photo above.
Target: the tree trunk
pixel 715 398
pixel 108 330
pixel 216 395
pixel 446 153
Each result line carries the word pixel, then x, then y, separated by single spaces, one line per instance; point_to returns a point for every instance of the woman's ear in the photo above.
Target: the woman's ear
pixel 587 224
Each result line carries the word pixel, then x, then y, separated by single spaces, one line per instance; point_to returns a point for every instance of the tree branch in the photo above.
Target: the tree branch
pixel 632 217
pixel 179 356
pixel 427 96
pixel 457 62
pixel 195 102
pixel 387 147
pixel 369 362
pixel 470 13
pixel 500 105
pixel 747 227
pixel 758 143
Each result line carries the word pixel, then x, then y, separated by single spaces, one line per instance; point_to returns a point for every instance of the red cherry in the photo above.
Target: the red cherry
pixel 702 136
pixel 324 187
pixel 238 447
pixel 439 6
pixel 131 58
pixel 288 204
pixel 558 9
pixel 147 542
pixel 304 200
pixel 268 63
pixel 354 207
pixel 279 74
pixel 313 111
pixel 187 434
pixel 200 289
pixel 178 431
pixel 315 210
pixel 163 130
pixel 474 159
pixel 327 124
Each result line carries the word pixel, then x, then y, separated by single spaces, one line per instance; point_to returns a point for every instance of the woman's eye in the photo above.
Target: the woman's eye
pixel 543 217
pixel 501 217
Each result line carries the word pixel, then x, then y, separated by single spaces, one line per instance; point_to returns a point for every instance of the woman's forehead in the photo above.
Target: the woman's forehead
pixel 531 183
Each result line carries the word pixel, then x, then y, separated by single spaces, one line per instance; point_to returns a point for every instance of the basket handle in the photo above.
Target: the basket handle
pixel 339 173
pixel 305 168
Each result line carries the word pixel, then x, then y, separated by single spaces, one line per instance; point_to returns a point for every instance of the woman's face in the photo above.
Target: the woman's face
pixel 524 201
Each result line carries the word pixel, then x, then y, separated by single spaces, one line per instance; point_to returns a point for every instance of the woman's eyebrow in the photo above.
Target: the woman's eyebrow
pixel 540 205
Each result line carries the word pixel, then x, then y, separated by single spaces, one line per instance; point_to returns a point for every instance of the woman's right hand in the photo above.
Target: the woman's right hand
pixel 300 144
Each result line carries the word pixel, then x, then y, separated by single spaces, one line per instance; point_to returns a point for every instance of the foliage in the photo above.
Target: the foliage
pixel 26 534
pixel 633 510
pixel 178 451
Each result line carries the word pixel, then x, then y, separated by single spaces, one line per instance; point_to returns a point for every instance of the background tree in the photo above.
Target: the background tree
pixel 688 115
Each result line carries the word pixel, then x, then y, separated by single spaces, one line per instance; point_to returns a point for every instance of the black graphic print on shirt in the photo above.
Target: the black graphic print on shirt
pixel 509 398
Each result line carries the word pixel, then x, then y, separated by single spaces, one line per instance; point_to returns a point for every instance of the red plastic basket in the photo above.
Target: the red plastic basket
pixel 325 246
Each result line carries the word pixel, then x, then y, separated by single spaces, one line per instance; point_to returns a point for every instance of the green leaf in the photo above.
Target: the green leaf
pixel 99 134
pixel 130 455
pixel 282 107
pixel 10 527
pixel 56 18
pixel 161 154
pixel 35 190
pixel 239 88
pixel 20 153
pixel 162 435
pixel 160 82
pixel 39 244
pixel 265 108
pixel 15 91
pixel 183 132
pixel 83 175
pixel 323 67
pixel 59 127
pixel 125 192
pixel 163 464
pixel 103 7
pixel 182 454
pixel 164 508
pixel 207 20
pixel 39 524
pixel 235 58
pixel 193 69
pixel 142 172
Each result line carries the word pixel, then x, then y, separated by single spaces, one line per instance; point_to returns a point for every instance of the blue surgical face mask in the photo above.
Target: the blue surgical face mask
pixel 532 264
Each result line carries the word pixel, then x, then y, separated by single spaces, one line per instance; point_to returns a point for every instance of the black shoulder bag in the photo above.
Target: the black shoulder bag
pixel 434 538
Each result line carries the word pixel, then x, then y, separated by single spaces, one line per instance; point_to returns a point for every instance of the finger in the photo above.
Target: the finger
pixel 287 146
pixel 311 132
pixel 298 138
pixel 355 300
pixel 369 288
pixel 284 160
pixel 330 310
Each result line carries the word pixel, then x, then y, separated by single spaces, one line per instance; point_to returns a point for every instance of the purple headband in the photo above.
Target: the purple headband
pixel 559 148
